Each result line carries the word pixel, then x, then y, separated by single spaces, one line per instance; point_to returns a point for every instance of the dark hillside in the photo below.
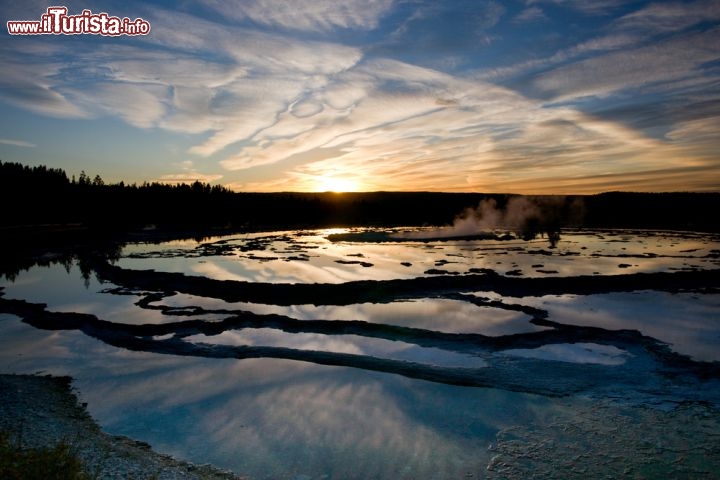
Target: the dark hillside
pixel 39 196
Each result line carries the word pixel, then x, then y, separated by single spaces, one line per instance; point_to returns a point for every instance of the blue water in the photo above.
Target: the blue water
pixel 442 384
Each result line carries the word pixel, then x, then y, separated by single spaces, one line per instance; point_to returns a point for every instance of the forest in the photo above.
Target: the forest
pixel 45 199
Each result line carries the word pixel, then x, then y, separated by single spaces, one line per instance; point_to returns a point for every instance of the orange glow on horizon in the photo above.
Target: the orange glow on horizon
pixel 336 184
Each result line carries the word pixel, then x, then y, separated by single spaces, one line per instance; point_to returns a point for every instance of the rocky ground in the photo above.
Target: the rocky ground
pixel 41 411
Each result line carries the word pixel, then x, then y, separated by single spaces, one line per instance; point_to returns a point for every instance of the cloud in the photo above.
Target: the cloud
pixel 373 94
pixel 29 85
pixel 691 178
pixel 188 178
pixel 169 68
pixel 593 46
pixel 258 52
pixel 242 109
pixel 285 107
pixel 602 75
pixel 308 15
pixel 671 16
pixel 431 33
pixel 420 127
pixel 530 14
pixel 699 136
pixel 595 7
pixel 260 77
pixel 17 143
pixel 138 105
pixel 188 175
pixel 249 79
pixel 631 31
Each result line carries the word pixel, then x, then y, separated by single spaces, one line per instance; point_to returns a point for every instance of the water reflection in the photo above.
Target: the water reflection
pixel 573 352
pixel 349 333
pixel 274 419
pixel 688 322
pixel 301 257
pixel 349 344
pixel 437 314
pixel 278 419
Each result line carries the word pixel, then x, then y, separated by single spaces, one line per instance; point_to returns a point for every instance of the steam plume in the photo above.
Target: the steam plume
pixel 525 216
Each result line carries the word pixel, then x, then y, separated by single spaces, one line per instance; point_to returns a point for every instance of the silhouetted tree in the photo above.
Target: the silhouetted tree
pixel 112 207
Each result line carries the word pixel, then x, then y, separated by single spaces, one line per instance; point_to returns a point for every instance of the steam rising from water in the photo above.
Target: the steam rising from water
pixel 526 216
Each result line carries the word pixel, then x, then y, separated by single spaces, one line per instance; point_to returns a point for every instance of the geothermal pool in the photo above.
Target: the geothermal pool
pixel 334 354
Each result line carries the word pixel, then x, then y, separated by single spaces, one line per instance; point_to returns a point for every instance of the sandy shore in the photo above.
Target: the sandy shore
pixel 43 411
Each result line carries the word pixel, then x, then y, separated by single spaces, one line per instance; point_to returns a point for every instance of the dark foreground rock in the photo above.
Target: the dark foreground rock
pixel 43 411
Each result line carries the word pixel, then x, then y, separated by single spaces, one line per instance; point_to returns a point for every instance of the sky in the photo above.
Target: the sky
pixel 515 96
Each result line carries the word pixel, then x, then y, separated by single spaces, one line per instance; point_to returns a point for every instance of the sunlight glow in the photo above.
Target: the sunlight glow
pixel 336 184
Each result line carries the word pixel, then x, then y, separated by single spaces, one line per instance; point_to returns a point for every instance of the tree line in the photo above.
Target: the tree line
pixel 39 195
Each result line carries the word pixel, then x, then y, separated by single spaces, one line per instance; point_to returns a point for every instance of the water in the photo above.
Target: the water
pixel 358 354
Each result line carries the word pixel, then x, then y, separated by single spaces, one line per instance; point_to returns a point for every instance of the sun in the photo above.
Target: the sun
pixel 336 184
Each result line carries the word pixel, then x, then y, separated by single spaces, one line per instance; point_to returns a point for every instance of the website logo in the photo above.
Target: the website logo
pixel 56 21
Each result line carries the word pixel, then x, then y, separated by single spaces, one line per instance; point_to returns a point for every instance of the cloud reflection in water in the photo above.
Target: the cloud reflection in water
pixel 279 418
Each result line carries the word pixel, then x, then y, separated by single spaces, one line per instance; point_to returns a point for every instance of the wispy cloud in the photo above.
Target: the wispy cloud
pixel 439 130
pixel 188 174
pixel 309 15
pixel 257 77
pixel 262 77
pixel 188 178
pixel 593 46
pixel 700 135
pixel 671 16
pixel 594 7
pixel 602 75
pixel 29 85
pixel 140 105
pixel 17 143
pixel 271 96
pixel 530 14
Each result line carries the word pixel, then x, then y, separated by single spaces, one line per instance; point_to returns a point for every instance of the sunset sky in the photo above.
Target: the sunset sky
pixel 521 96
